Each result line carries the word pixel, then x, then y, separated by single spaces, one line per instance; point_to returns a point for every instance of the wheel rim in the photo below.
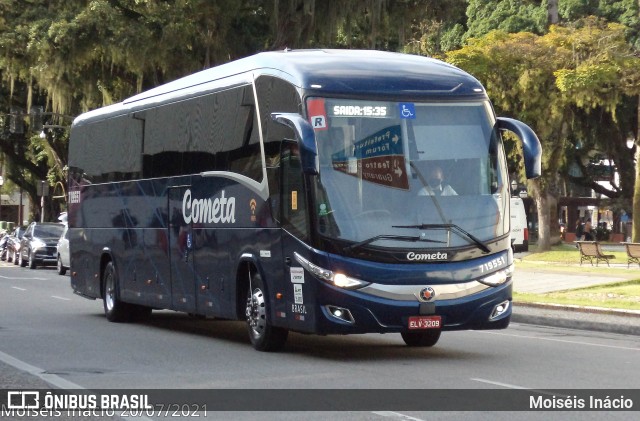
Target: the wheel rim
pixel 109 292
pixel 256 313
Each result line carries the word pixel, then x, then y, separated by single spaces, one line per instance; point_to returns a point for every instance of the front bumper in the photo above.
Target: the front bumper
pixel 46 256
pixel 383 314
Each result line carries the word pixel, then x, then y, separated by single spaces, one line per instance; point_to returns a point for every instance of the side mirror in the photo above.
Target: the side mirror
pixel 530 145
pixel 306 140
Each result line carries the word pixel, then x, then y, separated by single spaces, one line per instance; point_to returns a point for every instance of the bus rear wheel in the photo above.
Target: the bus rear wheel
pixel 423 338
pixel 264 336
pixel 114 309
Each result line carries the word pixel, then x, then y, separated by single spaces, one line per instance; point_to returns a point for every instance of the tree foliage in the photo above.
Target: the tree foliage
pixel 507 16
pixel 556 83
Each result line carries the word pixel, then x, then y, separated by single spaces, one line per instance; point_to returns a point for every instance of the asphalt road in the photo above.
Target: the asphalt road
pixel 49 336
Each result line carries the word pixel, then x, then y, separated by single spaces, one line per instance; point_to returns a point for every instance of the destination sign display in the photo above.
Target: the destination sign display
pixel 348 108
pixel 356 110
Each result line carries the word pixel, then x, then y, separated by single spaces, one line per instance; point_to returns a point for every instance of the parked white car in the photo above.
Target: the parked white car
pixel 63 251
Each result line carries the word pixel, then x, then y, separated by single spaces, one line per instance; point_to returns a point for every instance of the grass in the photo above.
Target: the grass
pixel 620 295
pixel 565 258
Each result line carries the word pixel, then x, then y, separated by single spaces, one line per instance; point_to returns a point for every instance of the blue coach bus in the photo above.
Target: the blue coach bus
pixel 300 191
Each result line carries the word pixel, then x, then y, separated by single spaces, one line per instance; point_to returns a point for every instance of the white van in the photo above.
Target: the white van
pixel 519 228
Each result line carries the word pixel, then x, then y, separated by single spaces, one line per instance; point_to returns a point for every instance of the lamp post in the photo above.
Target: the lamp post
pixel 43 190
pixel 1 184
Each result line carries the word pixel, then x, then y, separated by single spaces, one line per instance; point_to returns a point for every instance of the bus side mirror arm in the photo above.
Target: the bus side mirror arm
pixel 530 145
pixel 306 140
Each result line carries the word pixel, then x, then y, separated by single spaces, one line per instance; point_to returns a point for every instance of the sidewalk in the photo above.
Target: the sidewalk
pixel 541 280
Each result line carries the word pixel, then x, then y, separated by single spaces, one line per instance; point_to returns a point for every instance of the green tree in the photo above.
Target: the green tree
pixel 506 15
pixel 553 82
pixel 521 85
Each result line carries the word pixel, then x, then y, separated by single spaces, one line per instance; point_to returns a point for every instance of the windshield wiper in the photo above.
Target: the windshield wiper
pixel 455 228
pixel 390 237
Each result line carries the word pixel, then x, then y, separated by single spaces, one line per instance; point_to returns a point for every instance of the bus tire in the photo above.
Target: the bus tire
pixel 114 309
pixel 424 338
pixel 263 336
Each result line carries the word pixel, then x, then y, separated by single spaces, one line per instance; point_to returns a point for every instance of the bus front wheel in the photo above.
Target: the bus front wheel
pixel 114 309
pixel 423 338
pixel 264 336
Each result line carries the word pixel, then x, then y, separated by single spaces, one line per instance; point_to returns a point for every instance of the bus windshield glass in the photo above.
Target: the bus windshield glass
pixel 409 175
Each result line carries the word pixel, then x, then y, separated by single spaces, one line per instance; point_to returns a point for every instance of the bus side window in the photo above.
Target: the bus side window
pixel 294 207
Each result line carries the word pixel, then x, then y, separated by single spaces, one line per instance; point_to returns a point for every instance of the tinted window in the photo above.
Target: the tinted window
pixel 216 132
pixel 275 95
pixel 107 151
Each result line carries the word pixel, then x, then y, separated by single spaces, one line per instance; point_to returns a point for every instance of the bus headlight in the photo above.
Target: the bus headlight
pixel 344 281
pixel 497 278
pixel 338 279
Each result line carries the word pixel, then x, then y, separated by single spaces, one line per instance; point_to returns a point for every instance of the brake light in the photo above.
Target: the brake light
pixel 526 234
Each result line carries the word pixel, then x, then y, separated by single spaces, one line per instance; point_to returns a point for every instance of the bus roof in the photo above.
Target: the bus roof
pixel 325 72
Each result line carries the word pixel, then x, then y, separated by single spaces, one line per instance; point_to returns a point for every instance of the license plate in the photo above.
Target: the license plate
pixel 425 322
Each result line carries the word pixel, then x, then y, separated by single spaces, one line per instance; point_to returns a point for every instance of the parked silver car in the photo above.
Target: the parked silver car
pixel 62 251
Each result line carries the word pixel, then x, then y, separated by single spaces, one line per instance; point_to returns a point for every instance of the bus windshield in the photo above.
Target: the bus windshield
pixel 409 175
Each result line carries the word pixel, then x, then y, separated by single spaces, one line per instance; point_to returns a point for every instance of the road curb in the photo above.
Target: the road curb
pixel 575 317
pixel 581 309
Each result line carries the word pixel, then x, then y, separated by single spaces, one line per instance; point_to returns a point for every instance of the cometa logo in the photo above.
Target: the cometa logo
pixel 212 210
pixel 427 256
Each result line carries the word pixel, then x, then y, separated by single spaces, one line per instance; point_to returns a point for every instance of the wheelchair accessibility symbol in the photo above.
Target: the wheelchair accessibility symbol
pixel 407 110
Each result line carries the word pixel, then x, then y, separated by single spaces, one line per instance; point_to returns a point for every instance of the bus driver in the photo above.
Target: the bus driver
pixel 436 185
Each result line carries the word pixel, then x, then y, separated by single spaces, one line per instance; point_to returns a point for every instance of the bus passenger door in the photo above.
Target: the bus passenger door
pixel 183 285
pixel 294 216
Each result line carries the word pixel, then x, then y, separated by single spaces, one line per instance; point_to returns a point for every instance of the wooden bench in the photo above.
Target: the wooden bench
pixel 590 250
pixel 633 253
